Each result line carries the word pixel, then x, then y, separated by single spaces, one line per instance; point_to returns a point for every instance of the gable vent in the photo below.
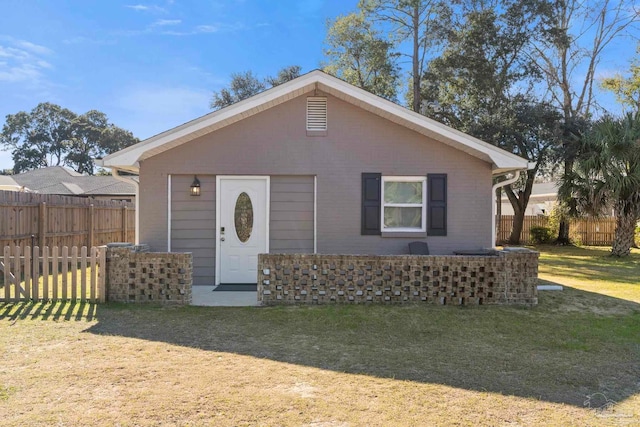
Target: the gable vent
pixel 317 113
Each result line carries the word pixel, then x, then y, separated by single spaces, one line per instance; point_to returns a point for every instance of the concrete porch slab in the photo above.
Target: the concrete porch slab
pixel 204 296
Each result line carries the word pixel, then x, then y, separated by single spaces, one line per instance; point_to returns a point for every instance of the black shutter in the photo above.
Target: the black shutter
pixel 370 223
pixel 437 204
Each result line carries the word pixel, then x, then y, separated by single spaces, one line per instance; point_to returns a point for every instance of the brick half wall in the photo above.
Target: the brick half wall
pixel 135 275
pixel 509 277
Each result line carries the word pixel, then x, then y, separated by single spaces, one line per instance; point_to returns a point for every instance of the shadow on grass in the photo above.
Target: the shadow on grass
pixel 573 345
pixel 60 310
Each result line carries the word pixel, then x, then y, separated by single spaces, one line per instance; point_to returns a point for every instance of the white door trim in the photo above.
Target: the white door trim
pixel 267 180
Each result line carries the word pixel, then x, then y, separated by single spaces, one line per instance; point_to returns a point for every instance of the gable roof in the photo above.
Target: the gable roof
pixel 129 158
pixel 60 180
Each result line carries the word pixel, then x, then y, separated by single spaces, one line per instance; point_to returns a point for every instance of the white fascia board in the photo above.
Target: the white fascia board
pixel 501 158
pixel 202 125
pixel 129 157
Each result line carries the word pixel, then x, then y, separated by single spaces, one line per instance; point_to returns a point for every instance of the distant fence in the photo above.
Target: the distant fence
pixel 31 219
pixel 589 231
pixel 55 274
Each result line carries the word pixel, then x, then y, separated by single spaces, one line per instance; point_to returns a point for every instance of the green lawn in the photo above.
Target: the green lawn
pixel 555 364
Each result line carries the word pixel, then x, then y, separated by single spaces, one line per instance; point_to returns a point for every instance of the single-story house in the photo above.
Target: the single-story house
pixel 314 165
pixel 66 182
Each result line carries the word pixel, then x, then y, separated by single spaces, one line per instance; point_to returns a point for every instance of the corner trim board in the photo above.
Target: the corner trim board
pixel 169 213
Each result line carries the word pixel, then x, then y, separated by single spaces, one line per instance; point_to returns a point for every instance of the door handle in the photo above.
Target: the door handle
pixel 222 239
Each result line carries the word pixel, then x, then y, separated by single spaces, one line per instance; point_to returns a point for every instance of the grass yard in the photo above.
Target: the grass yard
pixel 572 360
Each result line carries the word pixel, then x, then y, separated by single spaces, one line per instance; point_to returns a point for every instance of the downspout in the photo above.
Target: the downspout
pixel 127 179
pixel 494 205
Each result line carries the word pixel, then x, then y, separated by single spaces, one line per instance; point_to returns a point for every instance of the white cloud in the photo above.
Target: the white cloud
pixel 137 7
pixel 22 61
pixel 34 48
pixel 146 8
pixel 166 22
pixel 87 40
pixel 207 29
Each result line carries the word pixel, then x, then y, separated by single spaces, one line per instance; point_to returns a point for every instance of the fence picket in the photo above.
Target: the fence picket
pixel 62 220
pixel 65 271
pixel 83 273
pixel 6 266
pixel 36 273
pixel 94 273
pixel 28 284
pixel 45 273
pixel 74 273
pixel 17 273
pixel 31 275
pixel 591 231
pixel 54 266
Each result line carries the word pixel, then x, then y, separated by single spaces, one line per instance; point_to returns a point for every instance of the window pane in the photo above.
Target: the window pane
pixel 402 192
pixel 402 217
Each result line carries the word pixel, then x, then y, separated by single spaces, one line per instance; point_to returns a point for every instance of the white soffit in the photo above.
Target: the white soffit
pixel 129 158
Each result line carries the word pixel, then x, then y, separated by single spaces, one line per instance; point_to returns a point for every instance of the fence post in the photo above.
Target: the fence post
pixel 42 225
pixel 125 230
pixel 91 225
pixel 7 273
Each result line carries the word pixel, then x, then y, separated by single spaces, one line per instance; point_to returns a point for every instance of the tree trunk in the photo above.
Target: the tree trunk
pixel 563 228
pixel 625 234
pixel 416 59
pixel 516 231
pixel 563 232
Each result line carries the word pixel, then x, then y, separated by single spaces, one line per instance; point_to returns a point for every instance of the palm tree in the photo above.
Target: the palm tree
pixel 606 175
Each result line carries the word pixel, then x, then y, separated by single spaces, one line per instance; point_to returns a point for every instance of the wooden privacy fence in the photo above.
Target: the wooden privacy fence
pixel 28 219
pixel 589 231
pixel 56 274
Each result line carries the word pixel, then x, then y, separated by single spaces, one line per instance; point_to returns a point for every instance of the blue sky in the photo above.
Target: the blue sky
pixel 149 65
pixel 153 64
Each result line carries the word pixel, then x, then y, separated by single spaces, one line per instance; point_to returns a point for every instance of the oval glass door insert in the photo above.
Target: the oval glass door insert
pixel 243 217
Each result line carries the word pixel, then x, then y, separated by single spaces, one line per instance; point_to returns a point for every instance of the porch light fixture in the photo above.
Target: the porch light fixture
pixel 195 186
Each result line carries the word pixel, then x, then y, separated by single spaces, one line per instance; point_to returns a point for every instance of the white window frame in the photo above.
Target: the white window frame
pixel 423 180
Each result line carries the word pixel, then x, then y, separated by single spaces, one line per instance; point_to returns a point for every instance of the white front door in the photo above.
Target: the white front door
pixel 242 227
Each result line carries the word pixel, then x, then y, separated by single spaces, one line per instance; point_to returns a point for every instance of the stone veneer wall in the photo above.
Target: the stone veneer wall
pixel 135 275
pixel 509 277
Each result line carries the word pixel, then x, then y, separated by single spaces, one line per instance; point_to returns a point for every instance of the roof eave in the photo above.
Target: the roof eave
pixel 128 159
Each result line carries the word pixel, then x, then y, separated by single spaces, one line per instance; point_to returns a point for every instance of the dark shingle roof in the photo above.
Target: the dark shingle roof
pixel 60 180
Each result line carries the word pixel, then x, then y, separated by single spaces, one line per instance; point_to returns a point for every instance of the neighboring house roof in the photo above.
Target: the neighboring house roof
pixel 9 184
pixel 129 158
pixel 542 189
pixel 60 180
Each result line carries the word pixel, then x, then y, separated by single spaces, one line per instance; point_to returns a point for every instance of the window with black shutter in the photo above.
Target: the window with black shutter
pixel 370 223
pixel 437 204
pixel 398 204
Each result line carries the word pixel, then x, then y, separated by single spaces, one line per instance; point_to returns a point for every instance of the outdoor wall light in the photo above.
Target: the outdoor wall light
pixel 195 186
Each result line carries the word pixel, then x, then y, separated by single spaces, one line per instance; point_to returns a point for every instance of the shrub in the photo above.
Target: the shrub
pixel 540 234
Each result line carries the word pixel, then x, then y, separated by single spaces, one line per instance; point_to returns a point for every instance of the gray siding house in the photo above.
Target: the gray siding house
pixel 315 165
